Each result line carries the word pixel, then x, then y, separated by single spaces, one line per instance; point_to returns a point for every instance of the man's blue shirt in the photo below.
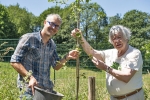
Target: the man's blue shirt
pixel 35 56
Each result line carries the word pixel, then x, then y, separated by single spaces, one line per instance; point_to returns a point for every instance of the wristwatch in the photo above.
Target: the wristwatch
pixel 108 69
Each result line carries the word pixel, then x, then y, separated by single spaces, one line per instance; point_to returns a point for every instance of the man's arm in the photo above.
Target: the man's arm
pixel 60 63
pixel 23 72
pixel 19 68
pixel 71 55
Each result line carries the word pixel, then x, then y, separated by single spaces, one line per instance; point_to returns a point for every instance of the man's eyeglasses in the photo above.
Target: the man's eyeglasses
pixel 53 25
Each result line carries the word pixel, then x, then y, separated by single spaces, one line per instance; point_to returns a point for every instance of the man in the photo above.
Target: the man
pixel 36 52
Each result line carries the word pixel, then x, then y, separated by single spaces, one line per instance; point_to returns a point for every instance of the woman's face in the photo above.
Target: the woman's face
pixel 119 42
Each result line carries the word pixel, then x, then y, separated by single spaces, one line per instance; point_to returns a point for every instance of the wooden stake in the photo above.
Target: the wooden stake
pixel 91 88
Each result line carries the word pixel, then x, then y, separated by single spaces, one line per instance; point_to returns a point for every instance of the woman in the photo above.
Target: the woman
pixel 123 80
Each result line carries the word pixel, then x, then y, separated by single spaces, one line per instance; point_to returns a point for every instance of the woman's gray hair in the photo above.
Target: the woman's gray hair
pixel 119 28
pixel 58 16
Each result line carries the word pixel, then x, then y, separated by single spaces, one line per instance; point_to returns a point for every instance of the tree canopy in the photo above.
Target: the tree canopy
pixel 22 19
pixel 7 28
pixel 94 23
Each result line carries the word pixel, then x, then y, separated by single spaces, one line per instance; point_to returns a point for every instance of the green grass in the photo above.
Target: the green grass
pixel 8 90
pixel 65 83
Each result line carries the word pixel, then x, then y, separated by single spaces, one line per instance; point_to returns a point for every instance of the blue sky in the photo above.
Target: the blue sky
pixel 111 7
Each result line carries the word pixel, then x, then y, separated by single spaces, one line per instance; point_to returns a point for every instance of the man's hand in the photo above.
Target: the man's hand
pixel 73 54
pixel 33 82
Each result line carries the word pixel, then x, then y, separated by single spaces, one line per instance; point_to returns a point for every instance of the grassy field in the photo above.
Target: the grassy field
pixel 65 83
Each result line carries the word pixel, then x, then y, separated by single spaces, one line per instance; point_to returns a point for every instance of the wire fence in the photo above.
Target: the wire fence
pixel 85 62
pixel 66 76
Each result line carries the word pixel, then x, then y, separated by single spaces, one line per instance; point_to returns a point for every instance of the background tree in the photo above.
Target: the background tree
pixel 139 23
pixel 115 20
pixel 34 24
pixel 93 21
pixel 7 28
pixel 21 18
pixel 146 51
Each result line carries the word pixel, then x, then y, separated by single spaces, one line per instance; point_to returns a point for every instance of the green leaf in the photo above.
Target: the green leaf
pixel 115 65
pixel 87 1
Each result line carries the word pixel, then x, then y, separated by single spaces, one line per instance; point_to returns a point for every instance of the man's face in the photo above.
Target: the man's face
pixel 51 25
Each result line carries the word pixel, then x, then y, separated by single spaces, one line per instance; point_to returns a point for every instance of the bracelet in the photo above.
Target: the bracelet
pixel 108 69
pixel 65 57
pixel 28 75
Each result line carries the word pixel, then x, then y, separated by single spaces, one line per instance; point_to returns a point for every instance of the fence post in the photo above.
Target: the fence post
pixel 91 88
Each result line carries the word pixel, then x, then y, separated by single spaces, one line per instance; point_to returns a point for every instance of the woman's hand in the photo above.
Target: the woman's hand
pixel 99 64
pixel 76 33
